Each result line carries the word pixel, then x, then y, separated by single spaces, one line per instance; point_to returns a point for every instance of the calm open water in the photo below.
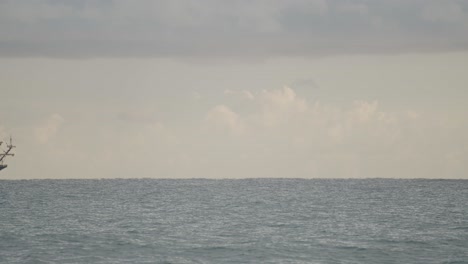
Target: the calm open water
pixel 234 221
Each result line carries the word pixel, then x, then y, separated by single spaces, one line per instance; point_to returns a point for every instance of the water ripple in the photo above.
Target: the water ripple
pixel 234 221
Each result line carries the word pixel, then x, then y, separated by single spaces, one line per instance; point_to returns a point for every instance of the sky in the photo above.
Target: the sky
pixel 235 89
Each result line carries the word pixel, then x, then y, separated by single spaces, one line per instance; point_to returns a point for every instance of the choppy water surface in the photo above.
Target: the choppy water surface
pixel 234 221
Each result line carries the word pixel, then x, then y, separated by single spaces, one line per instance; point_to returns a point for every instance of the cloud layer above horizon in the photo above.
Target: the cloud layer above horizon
pixel 259 28
pixel 235 89
pixel 353 117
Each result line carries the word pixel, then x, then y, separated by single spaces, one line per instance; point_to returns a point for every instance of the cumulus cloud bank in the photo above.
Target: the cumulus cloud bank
pixel 281 134
pixel 297 138
pixel 229 28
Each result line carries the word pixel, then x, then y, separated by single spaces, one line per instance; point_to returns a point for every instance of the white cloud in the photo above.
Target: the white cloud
pixel 136 118
pixel 278 105
pixel 282 115
pixel 363 111
pixel 244 93
pixel 222 118
pixel 306 139
pixel 285 99
pixel 323 140
pixel 248 95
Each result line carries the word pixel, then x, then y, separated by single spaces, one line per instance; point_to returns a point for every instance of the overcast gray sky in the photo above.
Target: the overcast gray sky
pixel 235 89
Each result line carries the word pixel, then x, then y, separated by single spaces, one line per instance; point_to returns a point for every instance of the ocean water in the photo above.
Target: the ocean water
pixel 234 221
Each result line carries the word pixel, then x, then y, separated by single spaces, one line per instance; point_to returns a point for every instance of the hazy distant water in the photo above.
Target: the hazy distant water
pixel 234 221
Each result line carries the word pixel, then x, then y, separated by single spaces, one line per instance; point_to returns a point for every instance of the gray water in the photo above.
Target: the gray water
pixel 234 221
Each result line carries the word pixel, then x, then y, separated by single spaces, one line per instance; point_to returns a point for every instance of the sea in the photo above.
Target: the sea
pixel 234 221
